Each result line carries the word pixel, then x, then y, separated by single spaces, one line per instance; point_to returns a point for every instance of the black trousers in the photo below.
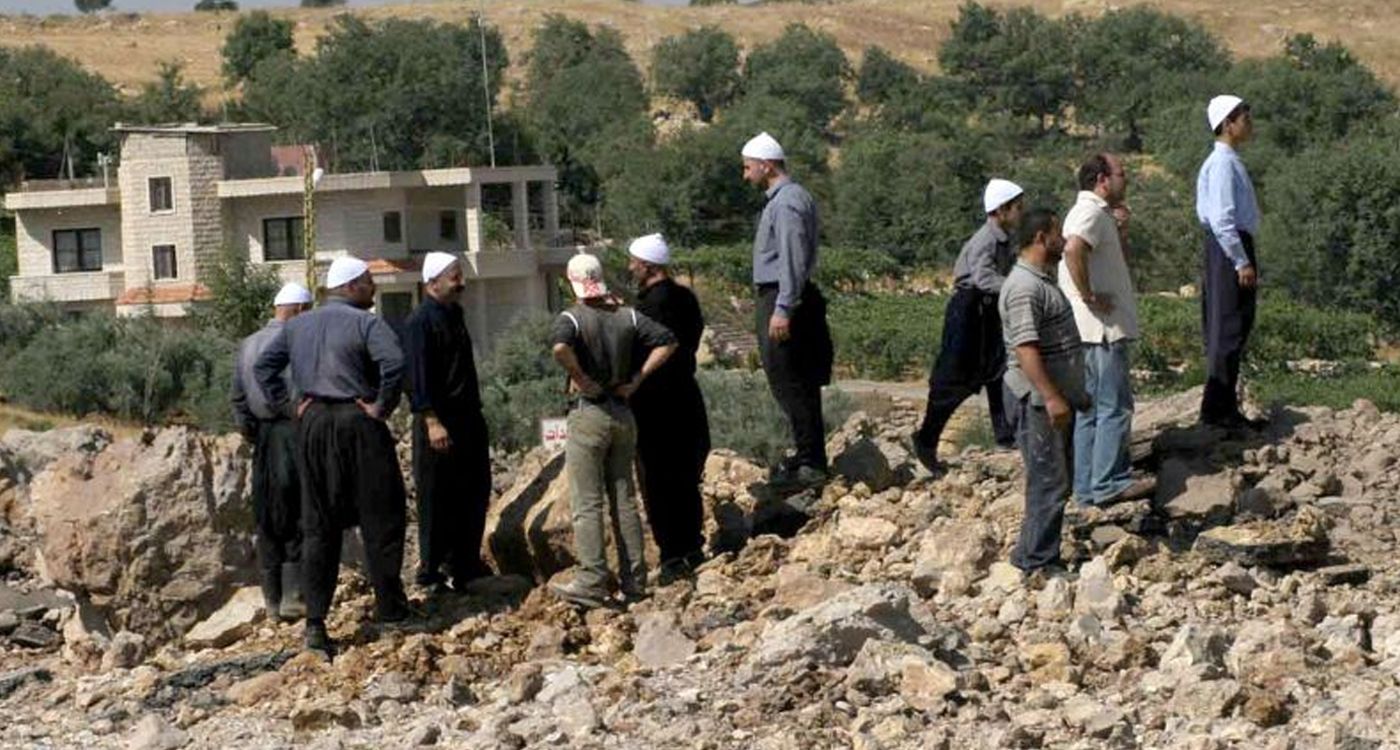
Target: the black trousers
pixel 971 358
pixel 673 441
pixel 454 489
pixel 350 477
pixel 1227 316
pixel 798 368
pixel 276 501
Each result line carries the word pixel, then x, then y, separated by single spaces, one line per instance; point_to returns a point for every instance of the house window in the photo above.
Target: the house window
pixel 77 250
pixel 162 197
pixel 447 225
pixel 163 262
pixel 393 226
pixel 282 239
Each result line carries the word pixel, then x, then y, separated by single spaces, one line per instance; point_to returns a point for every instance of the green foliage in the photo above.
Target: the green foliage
pixel 520 384
pixel 1019 61
pixel 1337 391
pixel 886 336
pixel 216 5
pixel 841 269
pixel 255 37
pixel 91 6
pixel 242 296
pixel 1163 251
pixel 802 66
pixel 169 98
pixel 9 259
pixel 883 78
pixel 700 66
pixel 50 107
pixel 387 94
pixel 744 417
pixel 19 324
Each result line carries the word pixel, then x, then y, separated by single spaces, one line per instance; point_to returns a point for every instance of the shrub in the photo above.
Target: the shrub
pixel 744 417
pixel 242 296
pixel 1339 391
pixel 1020 60
pixel 255 37
pixel 802 66
pixel 883 78
pixel 886 336
pixel 700 66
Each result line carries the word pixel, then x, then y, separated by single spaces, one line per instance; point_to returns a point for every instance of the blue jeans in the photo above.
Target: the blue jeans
pixel 1046 452
pixel 1102 465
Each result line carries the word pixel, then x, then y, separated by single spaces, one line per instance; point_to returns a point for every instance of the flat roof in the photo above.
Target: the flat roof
pixel 182 128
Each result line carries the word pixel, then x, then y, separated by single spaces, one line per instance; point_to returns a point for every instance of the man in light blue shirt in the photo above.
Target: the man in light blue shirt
pixel 1229 218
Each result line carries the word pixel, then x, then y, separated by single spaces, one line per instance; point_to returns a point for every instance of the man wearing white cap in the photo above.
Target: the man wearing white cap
pixel 596 341
pixel 790 312
pixel 1229 217
pixel 972 357
pixel 1094 277
pixel 348 368
pixel 276 485
pixel 673 430
pixel 451 460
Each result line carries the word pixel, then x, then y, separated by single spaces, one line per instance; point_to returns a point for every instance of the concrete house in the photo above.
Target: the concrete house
pixel 145 239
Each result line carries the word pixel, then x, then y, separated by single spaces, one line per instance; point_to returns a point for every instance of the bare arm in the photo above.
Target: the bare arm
pixel 1028 357
pixel 1077 261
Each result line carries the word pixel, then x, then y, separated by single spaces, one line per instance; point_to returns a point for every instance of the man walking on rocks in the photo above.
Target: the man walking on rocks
pixel 972 356
pixel 598 342
pixel 276 486
pixel 1229 217
pixel 1094 276
pixel 451 460
pixel 1044 385
pixel 348 368
pixel 793 339
pixel 673 430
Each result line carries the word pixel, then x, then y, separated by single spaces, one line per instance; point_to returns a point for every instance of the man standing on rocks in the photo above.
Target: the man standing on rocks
pixel 673 430
pixel 973 356
pixel 451 460
pixel 1229 216
pixel 1044 384
pixel 793 339
pixel 348 368
pixel 276 486
pixel 598 342
pixel 1094 276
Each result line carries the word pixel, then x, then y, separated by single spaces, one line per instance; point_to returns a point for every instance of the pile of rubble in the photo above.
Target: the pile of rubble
pixel 1250 604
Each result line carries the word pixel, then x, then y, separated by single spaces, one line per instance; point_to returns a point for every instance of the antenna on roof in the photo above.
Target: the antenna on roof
pixel 486 81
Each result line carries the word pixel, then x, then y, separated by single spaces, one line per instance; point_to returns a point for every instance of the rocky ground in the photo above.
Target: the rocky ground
pixel 1250 604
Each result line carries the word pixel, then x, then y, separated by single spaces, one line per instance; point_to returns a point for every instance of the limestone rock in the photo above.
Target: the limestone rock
pixel 659 641
pixel 392 686
pixel 967 548
pixel 231 623
pixel 14 680
pixel 1096 592
pixel 1266 652
pixel 920 677
pixel 152 733
pixel 1196 648
pixel 797 588
pixel 1267 543
pixel 529 530
pixel 1236 579
pixel 316 716
pixel 1206 700
pixel 833 632
pixel 1048 661
pixel 86 636
pixel 126 651
pixel 255 689
pixel 865 532
pixel 1186 492
pixel 862 461
pixel 34 451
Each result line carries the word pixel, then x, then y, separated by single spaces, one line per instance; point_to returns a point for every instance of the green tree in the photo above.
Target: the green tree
pixel 255 37
pixel 91 6
pixel 883 78
pixel 700 66
pixel 802 66
pixel 52 112
pixel 216 5
pixel 169 98
pixel 1019 61
pixel 9 258
pixel 242 295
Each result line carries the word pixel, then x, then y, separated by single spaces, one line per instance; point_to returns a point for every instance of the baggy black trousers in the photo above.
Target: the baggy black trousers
pixel 673 441
pixel 454 490
pixel 798 368
pixel 350 477
pixel 971 358
pixel 1227 317
pixel 276 500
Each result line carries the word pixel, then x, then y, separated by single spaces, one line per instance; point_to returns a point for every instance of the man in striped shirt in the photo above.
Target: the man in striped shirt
pixel 1044 384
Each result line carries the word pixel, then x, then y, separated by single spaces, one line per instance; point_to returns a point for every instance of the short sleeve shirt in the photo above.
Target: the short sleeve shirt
pixel 1034 310
pixel 1108 273
pixel 606 339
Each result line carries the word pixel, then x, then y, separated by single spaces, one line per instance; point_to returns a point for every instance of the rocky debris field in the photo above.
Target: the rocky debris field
pixel 1251 603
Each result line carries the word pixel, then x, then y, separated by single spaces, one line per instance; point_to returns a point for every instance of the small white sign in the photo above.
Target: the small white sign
pixel 554 431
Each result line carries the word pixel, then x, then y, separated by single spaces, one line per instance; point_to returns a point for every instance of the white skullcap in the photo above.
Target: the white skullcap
pixel 763 146
pixel 651 248
pixel 585 274
pixel 435 263
pixel 345 270
pixel 292 293
pixel 999 193
pixel 1220 108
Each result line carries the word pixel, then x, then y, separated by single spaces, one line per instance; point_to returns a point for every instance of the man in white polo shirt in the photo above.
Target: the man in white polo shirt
pixel 1094 276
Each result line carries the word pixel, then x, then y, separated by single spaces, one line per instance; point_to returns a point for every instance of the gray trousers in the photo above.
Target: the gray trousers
pixel 1048 454
pixel 598 456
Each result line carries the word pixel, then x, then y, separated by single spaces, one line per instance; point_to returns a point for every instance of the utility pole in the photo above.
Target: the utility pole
pixel 311 174
pixel 486 82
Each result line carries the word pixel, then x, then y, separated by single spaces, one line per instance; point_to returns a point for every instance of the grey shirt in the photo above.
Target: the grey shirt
pixel 985 260
pixel 1035 311
pixel 785 245
pixel 249 402
pixel 338 352
pixel 605 341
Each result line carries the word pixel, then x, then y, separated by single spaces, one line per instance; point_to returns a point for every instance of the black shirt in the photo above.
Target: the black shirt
pixel 608 341
pixel 441 366
pixel 675 307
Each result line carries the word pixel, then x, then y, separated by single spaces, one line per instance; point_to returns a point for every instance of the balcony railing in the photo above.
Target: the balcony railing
pixel 81 183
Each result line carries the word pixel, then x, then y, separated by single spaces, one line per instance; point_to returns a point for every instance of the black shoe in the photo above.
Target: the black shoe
pixel 672 570
pixel 1236 422
pixel 928 457
pixel 317 639
pixel 579 595
pixel 801 478
pixel 429 578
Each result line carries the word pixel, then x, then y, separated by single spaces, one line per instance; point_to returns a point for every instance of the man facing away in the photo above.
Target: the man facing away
pixel 790 315
pixel 1094 276
pixel 1229 217
pixel 1044 385
pixel 596 342
pixel 451 458
pixel 348 368
pixel 276 485
pixel 673 430
pixel 972 356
